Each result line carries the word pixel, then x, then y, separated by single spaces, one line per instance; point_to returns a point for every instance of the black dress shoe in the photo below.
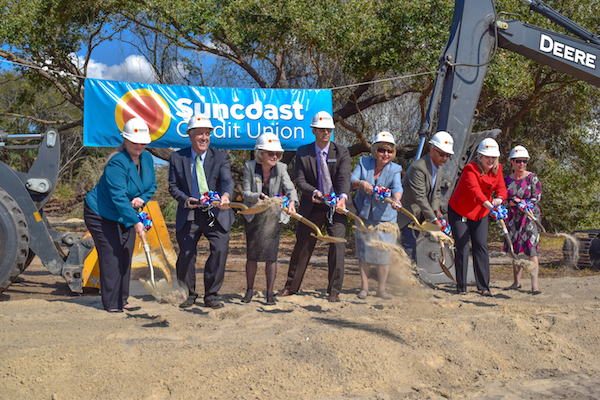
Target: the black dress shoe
pixel 334 298
pixel 284 292
pixel 188 303
pixel 213 304
pixel 270 300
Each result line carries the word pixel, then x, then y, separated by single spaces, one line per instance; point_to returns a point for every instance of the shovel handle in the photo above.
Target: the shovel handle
pixel 534 219
pixel 230 204
pixel 241 206
pixel 507 238
pixel 443 262
pixel 359 222
pixel 305 221
pixel 149 259
pixel 403 210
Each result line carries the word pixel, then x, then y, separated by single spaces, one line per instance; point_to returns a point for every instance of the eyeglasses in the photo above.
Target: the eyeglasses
pixel 272 153
pixel 442 154
pixel 382 150
pixel 520 161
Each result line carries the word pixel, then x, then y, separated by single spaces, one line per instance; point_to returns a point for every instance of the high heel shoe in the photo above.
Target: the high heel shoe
pixel 248 296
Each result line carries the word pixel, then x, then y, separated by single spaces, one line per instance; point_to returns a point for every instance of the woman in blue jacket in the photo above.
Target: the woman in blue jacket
pixel 110 211
pixel 378 170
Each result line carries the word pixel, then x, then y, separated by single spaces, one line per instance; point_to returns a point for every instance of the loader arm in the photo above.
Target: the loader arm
pixel 26 193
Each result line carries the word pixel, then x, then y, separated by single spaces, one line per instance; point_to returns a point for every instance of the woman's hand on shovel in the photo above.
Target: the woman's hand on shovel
pixel 291 208
pixel 139 229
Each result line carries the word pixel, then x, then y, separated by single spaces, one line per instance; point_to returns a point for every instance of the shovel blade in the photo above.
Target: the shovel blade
pixel 425 227
pixel 447 271
pixel 150 289
pixel 161 289
pixel 361 228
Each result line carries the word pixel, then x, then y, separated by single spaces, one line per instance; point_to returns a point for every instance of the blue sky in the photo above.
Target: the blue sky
pixel 117 60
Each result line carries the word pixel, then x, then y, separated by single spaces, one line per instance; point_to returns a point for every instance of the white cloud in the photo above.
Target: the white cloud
pixel 135 68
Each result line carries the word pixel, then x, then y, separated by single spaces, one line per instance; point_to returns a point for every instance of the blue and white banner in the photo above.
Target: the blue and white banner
pixel 238 115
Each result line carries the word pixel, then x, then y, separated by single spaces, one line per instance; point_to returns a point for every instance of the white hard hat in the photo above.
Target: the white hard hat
pixel 269 142
pixel 384 137
pixel 443 141
pixel 488 147
pixel 198 121
pixel 136 131
pixel 322 119
pixel 518 152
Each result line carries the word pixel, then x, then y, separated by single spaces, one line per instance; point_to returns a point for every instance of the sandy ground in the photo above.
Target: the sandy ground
pixel 426 343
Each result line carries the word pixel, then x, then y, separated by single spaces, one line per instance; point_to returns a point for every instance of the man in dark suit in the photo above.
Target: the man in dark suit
pixel 322 167
pixel 421 185
pixel 194 171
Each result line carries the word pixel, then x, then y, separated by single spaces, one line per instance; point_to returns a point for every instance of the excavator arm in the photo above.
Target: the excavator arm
pixel 475 35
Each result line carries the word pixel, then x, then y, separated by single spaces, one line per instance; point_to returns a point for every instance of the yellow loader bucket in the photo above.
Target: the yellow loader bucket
pixel 161 250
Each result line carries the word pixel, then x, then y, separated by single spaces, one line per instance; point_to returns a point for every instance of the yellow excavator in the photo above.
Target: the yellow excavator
pixel 25 231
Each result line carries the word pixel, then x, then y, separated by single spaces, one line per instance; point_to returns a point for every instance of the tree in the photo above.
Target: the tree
pixel 329 44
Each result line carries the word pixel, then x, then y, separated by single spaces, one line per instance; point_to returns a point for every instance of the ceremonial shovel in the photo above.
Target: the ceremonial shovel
pixel 319 235
pixel 156 289
pixel 424 226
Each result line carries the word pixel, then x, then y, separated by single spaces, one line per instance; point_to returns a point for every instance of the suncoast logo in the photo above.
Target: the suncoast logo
pixel 145 104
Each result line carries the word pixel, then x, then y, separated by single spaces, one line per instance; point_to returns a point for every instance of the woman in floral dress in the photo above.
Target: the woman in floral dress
pixel 523 185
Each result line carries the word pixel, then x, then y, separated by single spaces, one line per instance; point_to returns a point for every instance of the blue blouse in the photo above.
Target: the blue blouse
pixel 371 207
pixel 120 183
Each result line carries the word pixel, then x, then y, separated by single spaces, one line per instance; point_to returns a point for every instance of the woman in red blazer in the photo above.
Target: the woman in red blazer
pixel 469 207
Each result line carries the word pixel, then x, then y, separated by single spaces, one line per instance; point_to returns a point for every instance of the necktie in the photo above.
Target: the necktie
pixel 202 185
pixel 325 176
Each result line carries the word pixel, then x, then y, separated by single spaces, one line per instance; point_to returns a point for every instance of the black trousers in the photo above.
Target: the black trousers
pixel 214 269
pixel 305 244
pixel 477 231
pixel 114 244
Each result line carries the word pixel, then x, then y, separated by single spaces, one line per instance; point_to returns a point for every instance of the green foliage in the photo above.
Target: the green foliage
pixel 91 170
pixel 169 211
pixel 571 186
pixel 162 195
pixel 292 44
pixel 63 191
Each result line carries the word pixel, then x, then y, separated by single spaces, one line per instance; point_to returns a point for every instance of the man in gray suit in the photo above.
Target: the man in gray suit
pixel 421 185
pixel 193 171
